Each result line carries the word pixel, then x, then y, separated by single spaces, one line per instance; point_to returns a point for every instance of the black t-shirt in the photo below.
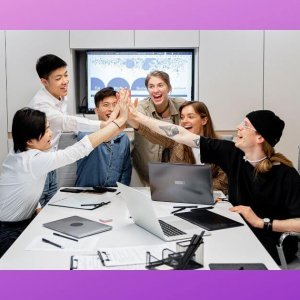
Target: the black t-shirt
pixel 274 195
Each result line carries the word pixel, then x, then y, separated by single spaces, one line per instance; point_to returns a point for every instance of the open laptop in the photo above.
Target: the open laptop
pixel 182 183
pixel 77 227
pixel 141 209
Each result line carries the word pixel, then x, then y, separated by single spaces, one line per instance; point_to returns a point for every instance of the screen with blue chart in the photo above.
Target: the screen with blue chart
pixel 129 68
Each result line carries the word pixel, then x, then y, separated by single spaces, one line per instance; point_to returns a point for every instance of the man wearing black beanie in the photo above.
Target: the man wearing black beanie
pixel 263 186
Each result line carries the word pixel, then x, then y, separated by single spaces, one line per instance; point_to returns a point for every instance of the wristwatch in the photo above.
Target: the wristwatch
pixel 268 223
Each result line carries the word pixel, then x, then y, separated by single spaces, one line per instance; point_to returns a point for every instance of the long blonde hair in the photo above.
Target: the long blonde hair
pixel 272 158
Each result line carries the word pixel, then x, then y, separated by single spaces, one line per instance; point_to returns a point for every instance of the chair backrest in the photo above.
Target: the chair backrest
pixel 66 176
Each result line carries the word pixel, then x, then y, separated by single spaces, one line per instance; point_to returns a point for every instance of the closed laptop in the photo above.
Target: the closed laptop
pixel 77 227
pixel 183 183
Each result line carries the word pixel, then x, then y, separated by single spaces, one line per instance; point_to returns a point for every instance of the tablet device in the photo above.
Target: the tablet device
pixel 77 227
pixel 208 220
pixel 238 266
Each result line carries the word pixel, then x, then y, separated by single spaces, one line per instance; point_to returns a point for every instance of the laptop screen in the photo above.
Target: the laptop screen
pixel 182 183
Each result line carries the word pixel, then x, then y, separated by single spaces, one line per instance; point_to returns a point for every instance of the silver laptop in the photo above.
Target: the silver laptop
pixel 182 183
pixel 77 227
pixel 141 209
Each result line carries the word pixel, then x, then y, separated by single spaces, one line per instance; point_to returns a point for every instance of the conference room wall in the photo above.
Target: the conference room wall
pixel 3 110
pixel 234 72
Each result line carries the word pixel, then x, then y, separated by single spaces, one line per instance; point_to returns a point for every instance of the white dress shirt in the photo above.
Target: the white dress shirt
pixel 23 177
pixel 60 121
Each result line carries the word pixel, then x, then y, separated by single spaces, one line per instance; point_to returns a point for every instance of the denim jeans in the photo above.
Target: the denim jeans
pixel 9 232
pixel 50 188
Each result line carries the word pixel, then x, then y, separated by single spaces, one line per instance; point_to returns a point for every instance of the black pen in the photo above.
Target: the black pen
pixel 51 243
pixel 201 208
pixel 101 258
pixel 96 204
pixel 184 206
pixel 66 237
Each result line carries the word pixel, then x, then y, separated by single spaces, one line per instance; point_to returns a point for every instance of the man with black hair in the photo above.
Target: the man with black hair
pixel 109 162
pixel 52 99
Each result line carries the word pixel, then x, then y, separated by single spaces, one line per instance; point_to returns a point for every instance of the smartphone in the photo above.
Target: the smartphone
pixel 69 190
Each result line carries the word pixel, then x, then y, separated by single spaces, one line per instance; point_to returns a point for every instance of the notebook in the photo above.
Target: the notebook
pixel 141 210
pixel 77 227
pixel 182 183
pixel 208 219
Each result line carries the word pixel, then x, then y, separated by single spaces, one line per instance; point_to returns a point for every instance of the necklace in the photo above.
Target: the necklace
pixel 254 161
pixel 164 110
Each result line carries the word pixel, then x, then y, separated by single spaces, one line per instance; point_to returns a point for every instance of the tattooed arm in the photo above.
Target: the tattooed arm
pixel 174 132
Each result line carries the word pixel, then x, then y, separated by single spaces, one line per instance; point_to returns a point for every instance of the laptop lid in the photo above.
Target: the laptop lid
pixel 143 214
pixel 182 183
pixel 77 227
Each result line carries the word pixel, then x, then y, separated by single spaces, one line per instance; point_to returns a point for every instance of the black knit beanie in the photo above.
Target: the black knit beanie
pixel 267 124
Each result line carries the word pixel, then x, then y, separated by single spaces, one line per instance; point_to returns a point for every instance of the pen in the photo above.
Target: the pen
pixel 201 208
pixel 101 258
pixel 66 237
pixel 118 193
pixel 96 204
pixel 184 206
pixel 51 243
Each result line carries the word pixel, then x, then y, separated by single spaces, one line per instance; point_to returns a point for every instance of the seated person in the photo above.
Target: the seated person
pixel 263 186
pixel 25 168
pixel 109 162
pixel 195 117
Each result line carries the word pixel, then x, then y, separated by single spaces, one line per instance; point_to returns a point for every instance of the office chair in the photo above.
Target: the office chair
pixel 296 263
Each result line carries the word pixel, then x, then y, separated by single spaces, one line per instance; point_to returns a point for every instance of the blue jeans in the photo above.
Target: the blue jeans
pixel 50 188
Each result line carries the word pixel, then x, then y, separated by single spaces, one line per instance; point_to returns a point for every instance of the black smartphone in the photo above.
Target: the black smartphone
pixel 69 190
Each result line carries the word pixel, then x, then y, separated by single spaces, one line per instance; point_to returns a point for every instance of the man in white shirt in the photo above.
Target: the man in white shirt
pixel 52 100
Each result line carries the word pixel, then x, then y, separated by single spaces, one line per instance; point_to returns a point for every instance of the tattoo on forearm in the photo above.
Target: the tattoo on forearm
pixel 197 143
pixel 170 130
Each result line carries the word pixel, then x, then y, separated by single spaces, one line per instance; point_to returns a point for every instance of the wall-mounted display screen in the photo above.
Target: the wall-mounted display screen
pixel 129 68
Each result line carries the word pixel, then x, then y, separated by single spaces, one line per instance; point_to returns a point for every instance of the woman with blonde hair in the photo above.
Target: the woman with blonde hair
pixel 159 105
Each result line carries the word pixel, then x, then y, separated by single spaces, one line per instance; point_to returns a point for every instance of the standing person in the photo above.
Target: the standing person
pixel 25 168
pixel 52 100
pixel 159 105
pixel 263 186
pixel 109 162
pixel 195 117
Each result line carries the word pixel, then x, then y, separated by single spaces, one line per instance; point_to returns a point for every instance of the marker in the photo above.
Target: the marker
pixel 51 243
pixel 66 237
pixel 191 206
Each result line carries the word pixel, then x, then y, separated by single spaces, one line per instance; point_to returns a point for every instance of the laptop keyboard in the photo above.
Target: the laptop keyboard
pixel 170 230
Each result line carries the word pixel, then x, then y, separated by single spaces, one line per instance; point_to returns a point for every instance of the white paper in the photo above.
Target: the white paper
pixel 125 258
pixel 83 244
pixel 75 201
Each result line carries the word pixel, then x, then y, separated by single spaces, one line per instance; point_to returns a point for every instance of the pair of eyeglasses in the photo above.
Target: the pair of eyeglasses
pixel 245 126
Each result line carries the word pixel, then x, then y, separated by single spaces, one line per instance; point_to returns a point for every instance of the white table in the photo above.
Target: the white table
pixel 232 245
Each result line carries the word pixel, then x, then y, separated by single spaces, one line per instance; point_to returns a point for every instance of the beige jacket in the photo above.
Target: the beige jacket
pixel 144 151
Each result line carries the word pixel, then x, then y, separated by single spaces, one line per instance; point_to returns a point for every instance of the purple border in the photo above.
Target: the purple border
pixel 155 14
pixel 30 285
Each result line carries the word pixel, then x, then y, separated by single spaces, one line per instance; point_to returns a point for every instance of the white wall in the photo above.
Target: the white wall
pixel 282 86
pixel 3 110
pixel 23 48
pixel 239 71
pixel 231 75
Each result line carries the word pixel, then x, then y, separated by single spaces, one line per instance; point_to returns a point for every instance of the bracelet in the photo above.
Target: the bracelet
pixel 116 123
